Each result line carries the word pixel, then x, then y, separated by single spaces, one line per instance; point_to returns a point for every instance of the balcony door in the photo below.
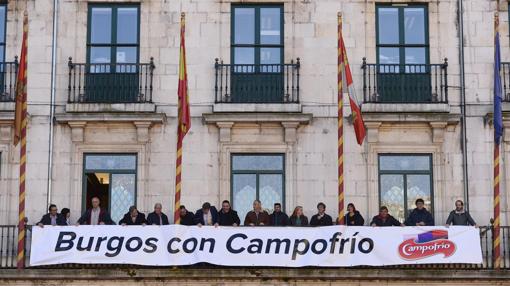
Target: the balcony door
pixel 403 73
pixel 112 53
pixel 257 54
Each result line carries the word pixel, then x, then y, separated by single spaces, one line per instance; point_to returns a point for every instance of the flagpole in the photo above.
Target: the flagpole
pixel 340 128
pixel 21 95
pixel 496 225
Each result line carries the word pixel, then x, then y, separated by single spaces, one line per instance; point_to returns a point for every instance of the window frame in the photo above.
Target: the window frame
pixel 257 174
pixel 113 45
pixel 4 40
pixel 257 46
pixel 401 27
pixel 404 174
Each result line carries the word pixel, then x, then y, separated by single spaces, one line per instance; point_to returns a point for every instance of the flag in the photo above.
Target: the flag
pixel 183 120
pixel 498 92
pixel 357 118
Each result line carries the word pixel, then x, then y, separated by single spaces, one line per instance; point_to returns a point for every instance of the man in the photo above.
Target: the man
pixel 459 216
pixel 187 218
pixel 157 217
pixel 256 217
pixel 52 217
pixel 133 217
pixel 95 215
pixel 385 219
pixel 278 218
pixel 207 215
pixel 228 216
pixel 420 216
pixel 321 218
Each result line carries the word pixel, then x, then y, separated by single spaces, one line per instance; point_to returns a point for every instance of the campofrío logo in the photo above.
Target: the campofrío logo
pixel 419 246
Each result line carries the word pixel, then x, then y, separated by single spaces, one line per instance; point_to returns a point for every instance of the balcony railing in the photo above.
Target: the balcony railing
pixel 8 75
pixel 9 237
pixel 505 80
pixel 110 83
pixel 263 83
pixel 409 83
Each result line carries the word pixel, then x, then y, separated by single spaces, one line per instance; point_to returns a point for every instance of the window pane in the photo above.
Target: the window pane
pixel 122 195
pixel 404 163
pixel 388 25
pixel 270 58
pixel 270 191
pixel 244 193
pixel 101 26
pixel 2 24
pixel 127 25
pixel 125 56
pixel 270 26
pixel 418 187
pixel 244 56
pixel 389 60
pixel 244 21
pixel 415 56
pixel 392 195
pixel 110 162
pixel 414 25
pixel 262 162
pixel 100 59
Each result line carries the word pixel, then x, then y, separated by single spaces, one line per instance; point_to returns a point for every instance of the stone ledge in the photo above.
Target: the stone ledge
pixel 451 119
pixel 211 118
pixel 110 107
pixel 406 107
pixel 7 106
pixel 257 107
pixel 110 117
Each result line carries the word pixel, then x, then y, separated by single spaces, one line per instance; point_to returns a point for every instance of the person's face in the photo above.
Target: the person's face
pixel 299 212
pixel 458 206
pixel 95 202
pixel 277 208
pixel 53 211
pixel 134 213
pixel 206 211
pixel 383 213
pixel 225 207
pixel 321 209
pixel 419 205
pixel 350 209
pixel 157 209
pixel 68 215
pixel 257 206
pixel 183 212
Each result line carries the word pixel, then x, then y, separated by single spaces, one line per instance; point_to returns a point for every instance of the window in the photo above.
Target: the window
pixel 111 178
pixel 3 24
pixel 113 38
pixel 403 178
pixel 257 176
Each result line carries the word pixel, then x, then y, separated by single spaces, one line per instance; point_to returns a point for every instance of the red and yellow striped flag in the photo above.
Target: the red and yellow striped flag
pixel 20 135
pixel 184 120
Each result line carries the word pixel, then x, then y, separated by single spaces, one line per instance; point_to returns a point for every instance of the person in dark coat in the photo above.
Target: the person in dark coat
pixel 256 217
pixel 187 218
pixel 66 213
pixel 228 216
pixel 52 217
pixel 420 216
pixel 385 219
pixel 96 215
pixel 207 215
pixel 298 218
pixel 278 218
pixel 459 216
pixel 133 217
pixel 157 217
pixel 321 218
pixel 353 217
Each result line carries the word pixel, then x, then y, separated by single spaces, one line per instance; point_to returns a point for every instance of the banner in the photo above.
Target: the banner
pixel 254 246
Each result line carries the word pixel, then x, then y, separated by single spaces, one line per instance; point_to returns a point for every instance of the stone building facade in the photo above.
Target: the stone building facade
pixel 107 114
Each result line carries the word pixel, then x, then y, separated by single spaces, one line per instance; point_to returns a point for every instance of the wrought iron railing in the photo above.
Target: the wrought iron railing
pixel 505 80
pixel 8 75
pixel 409 83
pixel 110 83
pixel 261 83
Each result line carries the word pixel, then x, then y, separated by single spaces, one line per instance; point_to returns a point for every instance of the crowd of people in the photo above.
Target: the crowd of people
pixel 226 216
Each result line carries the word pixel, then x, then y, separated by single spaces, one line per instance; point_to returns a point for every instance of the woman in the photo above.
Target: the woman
pixel 297 218
pixel 353 217
pixel 66 214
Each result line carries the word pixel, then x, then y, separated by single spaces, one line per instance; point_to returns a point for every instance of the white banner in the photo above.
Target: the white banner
pixel 255 246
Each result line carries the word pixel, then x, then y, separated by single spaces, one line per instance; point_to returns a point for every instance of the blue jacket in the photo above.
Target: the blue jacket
pixel 417 216
pixel 199 216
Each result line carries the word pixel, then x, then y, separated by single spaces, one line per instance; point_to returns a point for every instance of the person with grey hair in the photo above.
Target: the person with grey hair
pixel 133 217
pixel 256 217
pixel 157 217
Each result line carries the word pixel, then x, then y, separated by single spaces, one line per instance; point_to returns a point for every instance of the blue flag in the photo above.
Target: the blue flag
pixel 498 92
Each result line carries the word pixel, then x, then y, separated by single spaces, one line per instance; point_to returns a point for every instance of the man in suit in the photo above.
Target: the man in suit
pixel 52 217
pixel 133 217
pixel 157 217
pixel 321 218
pixel 96 215
pixel 207 215
pixel 187 218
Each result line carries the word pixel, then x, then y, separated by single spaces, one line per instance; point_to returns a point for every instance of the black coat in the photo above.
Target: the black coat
pixel 304 221
pixel 46 220
pixel 153 218
pixel 188 219
pixel 355 220
pixel 104 217
pixel 390 221
pixel 417 216
pixel 278 219
pixel 229 218
pixel 323 221
pixel 140 219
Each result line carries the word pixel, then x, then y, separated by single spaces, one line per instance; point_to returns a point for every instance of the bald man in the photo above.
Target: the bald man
pixel 157 217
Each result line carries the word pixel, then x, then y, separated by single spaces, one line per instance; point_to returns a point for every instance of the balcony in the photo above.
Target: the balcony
pixel 404 84
pixel 505 81
pixel 8 75
pixel 110 83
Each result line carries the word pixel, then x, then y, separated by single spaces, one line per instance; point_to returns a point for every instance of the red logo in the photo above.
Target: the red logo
pixel 414 249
